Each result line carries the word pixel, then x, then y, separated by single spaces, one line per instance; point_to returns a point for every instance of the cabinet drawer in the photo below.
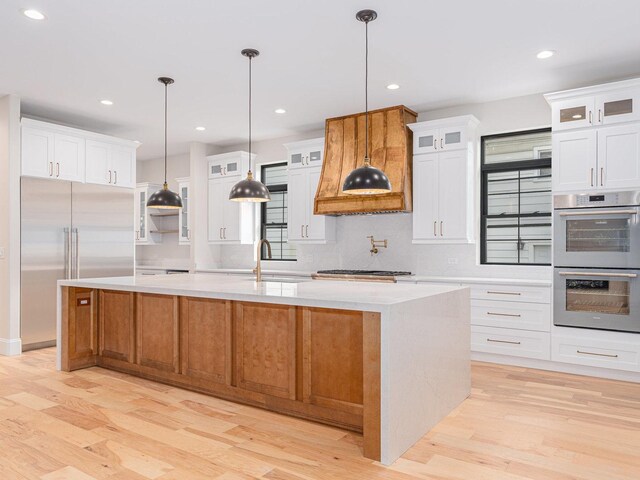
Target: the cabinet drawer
pixel 518 315
pixel 505 341
pixel 511 293
pixel 596 353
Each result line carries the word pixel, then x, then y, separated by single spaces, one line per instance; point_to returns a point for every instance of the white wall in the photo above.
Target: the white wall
pixel 168 253
pixel 352 247
pixel 10 225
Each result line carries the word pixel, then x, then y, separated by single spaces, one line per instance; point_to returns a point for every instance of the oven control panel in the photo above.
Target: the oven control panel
pixel 586 200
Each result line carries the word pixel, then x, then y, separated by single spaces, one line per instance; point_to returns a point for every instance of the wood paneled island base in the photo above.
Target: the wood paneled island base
pixel 301 361
pixel 390 374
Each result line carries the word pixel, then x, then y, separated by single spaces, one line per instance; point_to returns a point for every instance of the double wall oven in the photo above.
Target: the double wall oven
pixel 597 261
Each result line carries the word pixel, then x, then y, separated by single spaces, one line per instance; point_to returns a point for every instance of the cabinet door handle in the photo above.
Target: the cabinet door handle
pixel 220 234
pixel 503 341
pixel 601 176
pixel 441 222
pixel 441 144
pixel 115 177
pixel 597 354
pixel 592 177
pixel 599 116
pixel 109 176
pixel 224 233
pixel 590 117
pixel 435 232
pixel 57 170
pixel 517 315
pixel 51 169
pixel 306 231
pixel 301 231
pixel 188 234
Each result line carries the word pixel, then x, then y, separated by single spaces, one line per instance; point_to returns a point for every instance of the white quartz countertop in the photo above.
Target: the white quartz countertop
pixel 367 296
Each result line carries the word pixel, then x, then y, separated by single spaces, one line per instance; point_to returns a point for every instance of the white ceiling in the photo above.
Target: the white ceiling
pixel 441 53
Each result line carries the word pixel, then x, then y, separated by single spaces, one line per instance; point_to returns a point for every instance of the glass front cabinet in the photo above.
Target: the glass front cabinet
pixel 184 218
pixel 144 227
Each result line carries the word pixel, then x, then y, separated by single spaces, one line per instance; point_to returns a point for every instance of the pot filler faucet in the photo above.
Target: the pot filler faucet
pixel 258 269
pixel 375 244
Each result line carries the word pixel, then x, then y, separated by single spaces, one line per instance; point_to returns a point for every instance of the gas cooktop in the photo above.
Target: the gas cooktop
pixel 377 273
pixel 359 275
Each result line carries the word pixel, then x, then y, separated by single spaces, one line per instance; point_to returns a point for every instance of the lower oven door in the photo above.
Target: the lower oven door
pixel 597 237
pixel 599 299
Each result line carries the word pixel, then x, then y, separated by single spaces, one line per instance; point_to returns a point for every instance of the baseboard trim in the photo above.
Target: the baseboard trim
pixel 557 366
pixel 10 346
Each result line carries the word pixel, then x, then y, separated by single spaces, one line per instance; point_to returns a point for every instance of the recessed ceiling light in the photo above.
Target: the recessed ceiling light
pixel 200 129
pixel 280 110
pixel 393 86
pixel 33 14
pixel 577 116
pixel 106 102
pixel 545 54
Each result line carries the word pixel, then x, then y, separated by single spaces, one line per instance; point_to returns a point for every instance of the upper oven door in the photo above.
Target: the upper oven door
pixel 600 299
pixel 597 237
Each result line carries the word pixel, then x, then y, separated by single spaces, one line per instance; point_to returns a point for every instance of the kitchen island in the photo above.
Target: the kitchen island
pixel 387 360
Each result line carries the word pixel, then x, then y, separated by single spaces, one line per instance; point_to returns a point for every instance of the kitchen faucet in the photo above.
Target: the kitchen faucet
pixel 375 244
pixel 258 269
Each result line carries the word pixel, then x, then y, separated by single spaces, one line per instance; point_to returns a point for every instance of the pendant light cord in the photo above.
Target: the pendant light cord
pixel 166 87
pixel 250 58
pixel 366 94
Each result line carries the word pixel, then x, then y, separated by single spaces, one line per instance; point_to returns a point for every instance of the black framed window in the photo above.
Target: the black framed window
pixel 516 202
pixel 274 214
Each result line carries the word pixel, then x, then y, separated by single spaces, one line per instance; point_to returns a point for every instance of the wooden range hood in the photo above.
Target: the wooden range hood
pixel 390 149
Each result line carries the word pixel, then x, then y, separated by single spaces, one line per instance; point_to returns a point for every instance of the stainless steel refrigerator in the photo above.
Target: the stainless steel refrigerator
pixel 68 230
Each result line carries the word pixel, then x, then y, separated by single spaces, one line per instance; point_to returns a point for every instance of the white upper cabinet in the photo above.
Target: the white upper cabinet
pixel 304 170
pixel 229 222
pixel 184 216
pixel 37 153
pixel 232 164
pixel 443 180
pixel 306 153
pixel 428 138
pixel 63 153
pixel 109 164
pixel 146 232
pixel 574 162
pixel 601 152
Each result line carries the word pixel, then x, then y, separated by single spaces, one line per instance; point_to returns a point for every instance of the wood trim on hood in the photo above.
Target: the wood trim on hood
pixel 390 149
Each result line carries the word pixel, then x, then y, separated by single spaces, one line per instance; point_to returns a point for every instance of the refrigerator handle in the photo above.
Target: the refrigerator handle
pixel 67 254
pixel 76 257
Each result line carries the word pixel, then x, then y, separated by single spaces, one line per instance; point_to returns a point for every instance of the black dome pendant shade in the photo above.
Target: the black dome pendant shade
pixel 366 180
pixel 165 198
pixel 249 189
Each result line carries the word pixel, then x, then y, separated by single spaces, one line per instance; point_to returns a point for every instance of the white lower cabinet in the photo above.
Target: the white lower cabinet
pixel 596 348
pixel 510 341
pixel 517 315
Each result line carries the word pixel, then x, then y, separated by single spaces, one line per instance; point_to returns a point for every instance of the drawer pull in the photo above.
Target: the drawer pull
pixel 502 341
pixel 503 293
pixel 597 354
pixel 505 314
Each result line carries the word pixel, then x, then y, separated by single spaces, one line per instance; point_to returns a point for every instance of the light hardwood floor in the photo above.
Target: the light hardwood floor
pixel 98 424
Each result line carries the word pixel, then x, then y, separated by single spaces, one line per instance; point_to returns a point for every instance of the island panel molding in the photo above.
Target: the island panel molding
pixel 388 360
pixel 206 339
pixel 117 325
pixel 157 331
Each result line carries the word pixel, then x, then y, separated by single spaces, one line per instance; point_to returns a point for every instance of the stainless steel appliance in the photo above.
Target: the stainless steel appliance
pixel 601 230
pixel 597 298
pixel 388 276
pixel 68 230
pixel 597 261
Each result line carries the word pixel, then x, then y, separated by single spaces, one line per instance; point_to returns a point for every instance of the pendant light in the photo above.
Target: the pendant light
pixel 249 189
pixel 366 180
pixel 165 198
